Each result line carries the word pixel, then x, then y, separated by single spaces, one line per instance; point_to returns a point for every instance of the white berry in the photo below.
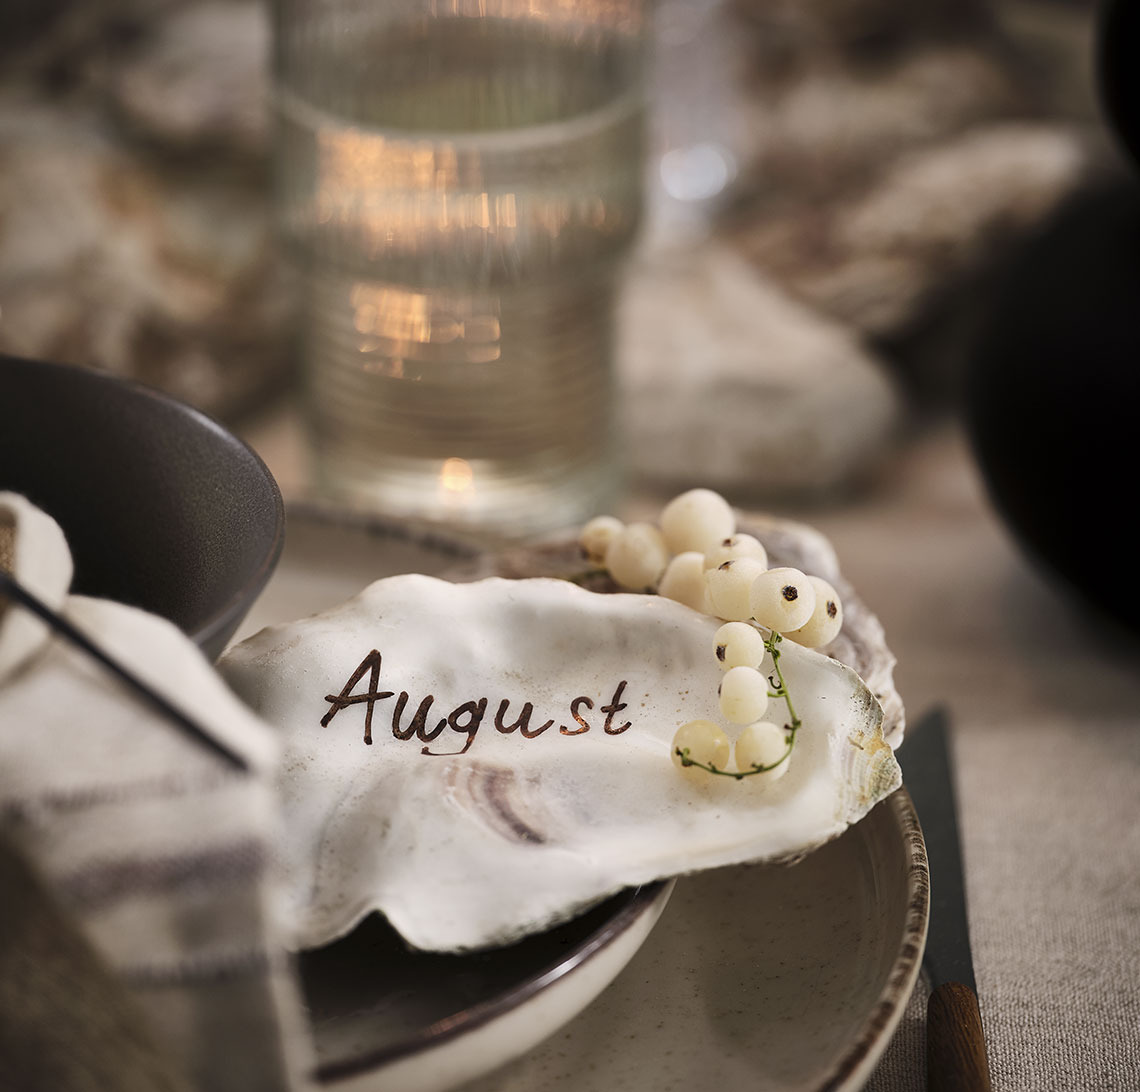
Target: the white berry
pixel 636 557
pixel 743 695
pixel 826 620
pixel 730 588
pixel 705 742
pixel 597 535
pixel 782 599
pixel 738 644
pixel 736 546
pixel 697 520
pixel 684 581
pixel 762 744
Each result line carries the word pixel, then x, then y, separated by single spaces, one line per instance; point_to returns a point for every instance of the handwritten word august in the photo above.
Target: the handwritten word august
pixel 464 719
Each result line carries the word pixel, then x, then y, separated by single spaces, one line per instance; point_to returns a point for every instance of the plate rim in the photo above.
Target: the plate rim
pixel 640 901
pixel 852 1069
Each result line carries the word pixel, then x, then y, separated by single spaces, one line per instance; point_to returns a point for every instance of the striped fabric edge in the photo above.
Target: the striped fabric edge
pixel 99 884
pixel 240 962
pixel 7 550
pixel 17 809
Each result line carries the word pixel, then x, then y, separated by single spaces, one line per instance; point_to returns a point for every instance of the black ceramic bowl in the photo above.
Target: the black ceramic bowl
pixel 162 507
pixel 1052 393
pixel 1052 389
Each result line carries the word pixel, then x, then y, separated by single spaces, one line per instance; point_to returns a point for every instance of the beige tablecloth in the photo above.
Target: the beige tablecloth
pixel 1047 714
pixel 1046 711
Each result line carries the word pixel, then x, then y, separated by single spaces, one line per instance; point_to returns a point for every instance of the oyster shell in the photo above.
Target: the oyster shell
pixel 537 778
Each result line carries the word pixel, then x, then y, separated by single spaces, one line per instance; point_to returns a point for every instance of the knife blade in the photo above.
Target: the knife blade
pixel 955 1041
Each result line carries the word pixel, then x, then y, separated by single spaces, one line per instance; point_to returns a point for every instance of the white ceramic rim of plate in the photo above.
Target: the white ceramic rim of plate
pixel 854 1068
pixel 631 925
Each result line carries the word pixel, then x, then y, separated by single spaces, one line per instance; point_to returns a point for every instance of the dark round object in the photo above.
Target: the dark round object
pixel 162 507
pixel 1052 397
pixel 1117 72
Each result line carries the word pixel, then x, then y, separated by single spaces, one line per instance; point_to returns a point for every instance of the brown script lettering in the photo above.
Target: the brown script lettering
pixel 339 701
pixel 465 718
pixel 615 706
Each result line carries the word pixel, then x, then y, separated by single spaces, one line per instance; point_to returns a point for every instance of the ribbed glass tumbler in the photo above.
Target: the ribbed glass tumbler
pixel 459 184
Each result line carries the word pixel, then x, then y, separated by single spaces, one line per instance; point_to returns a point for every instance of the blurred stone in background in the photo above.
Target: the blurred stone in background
pixel 843 181
pixel 780 402
pixel 135 227
pixel 888 160
pixel 902 151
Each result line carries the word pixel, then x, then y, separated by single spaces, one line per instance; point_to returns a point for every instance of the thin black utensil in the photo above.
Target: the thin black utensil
pixel 17 593
pixel 955 1043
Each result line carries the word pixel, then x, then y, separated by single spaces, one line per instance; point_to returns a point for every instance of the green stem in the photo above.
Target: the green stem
pixel 771 643
pixel 683 754
pixel 584 575
pixel 781 691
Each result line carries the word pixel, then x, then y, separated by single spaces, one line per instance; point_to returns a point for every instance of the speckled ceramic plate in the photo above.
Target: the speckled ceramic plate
pixel 754 978
pixel 758 978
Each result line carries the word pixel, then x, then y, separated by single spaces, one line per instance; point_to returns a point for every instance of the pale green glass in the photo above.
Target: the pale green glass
pixel 459 184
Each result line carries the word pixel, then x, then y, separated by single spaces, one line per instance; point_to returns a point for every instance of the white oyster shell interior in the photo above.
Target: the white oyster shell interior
pixel 466 834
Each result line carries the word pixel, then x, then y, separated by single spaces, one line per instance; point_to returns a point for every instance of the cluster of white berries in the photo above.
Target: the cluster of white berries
pixel 696 557
pixel 762 747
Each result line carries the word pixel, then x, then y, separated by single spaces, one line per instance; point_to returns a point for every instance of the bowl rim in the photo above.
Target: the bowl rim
pixel 633 902
pixel 232 608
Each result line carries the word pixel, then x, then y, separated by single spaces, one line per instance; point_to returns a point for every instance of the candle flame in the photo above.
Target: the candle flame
pixel 456 476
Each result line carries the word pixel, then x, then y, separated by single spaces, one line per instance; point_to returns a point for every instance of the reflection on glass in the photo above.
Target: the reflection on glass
pixel 460 183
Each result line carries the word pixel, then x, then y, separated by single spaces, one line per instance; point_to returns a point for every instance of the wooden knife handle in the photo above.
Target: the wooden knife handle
pixel 955 1046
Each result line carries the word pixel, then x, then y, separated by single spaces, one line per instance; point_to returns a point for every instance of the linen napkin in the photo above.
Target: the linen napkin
pixel 161 857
